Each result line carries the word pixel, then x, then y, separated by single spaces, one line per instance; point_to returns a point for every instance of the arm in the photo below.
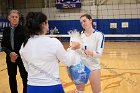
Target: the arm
pixel 25 63
pixel 6 50
pixel 65 57
pixel 100 46
pixel 4 43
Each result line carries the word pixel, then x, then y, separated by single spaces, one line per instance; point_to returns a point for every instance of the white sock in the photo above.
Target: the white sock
pixel 77 91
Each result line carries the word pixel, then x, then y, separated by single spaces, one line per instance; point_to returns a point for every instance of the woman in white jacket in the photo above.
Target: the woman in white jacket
pixel 40 55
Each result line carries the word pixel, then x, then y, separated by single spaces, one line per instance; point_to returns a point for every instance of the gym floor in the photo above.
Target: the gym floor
pixel 120 70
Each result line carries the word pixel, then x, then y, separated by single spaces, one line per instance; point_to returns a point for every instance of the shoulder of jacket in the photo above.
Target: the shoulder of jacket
pixel 5 29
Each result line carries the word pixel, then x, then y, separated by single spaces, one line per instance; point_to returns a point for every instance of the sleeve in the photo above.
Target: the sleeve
pixel 25 63
pixel 63 56
pixel 3 44
pixel 6 50
pixel 100 46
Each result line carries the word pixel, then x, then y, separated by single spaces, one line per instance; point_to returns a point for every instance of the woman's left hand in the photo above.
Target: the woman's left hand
pixel 88 53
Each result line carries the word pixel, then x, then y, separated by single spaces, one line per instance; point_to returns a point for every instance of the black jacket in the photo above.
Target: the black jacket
pixel 19 37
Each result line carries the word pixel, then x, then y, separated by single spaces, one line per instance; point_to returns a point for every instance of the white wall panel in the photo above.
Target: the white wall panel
pixel 115 8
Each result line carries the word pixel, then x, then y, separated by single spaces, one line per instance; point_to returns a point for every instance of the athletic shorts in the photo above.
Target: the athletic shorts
pixel 45 89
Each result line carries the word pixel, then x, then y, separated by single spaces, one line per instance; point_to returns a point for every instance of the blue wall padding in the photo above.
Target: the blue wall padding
pixel 65 25
pixel 103 25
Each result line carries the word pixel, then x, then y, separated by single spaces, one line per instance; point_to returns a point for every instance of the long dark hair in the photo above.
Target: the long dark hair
pixel 33 24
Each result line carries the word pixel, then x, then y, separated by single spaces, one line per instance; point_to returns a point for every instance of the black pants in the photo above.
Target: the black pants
pixel 12 72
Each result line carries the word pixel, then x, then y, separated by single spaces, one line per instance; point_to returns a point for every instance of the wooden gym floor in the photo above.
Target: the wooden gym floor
pixel 120 70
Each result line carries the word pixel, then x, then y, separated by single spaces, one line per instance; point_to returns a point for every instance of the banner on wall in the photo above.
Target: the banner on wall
pixel 3 23
pixel 68 4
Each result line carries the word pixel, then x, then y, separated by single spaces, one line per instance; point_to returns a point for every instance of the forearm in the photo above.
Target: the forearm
pixel 100 46
pixel 6 50
pixel 97 54
pixel 4 44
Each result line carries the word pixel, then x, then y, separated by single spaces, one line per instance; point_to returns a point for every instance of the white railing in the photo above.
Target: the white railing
pixel 107 35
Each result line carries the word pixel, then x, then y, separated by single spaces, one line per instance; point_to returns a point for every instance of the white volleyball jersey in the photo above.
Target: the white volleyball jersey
pixel 95 43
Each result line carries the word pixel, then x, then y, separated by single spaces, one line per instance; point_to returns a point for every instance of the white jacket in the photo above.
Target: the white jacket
pixel 40 57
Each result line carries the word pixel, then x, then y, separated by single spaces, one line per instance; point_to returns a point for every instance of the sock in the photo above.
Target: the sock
pixel 77 91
